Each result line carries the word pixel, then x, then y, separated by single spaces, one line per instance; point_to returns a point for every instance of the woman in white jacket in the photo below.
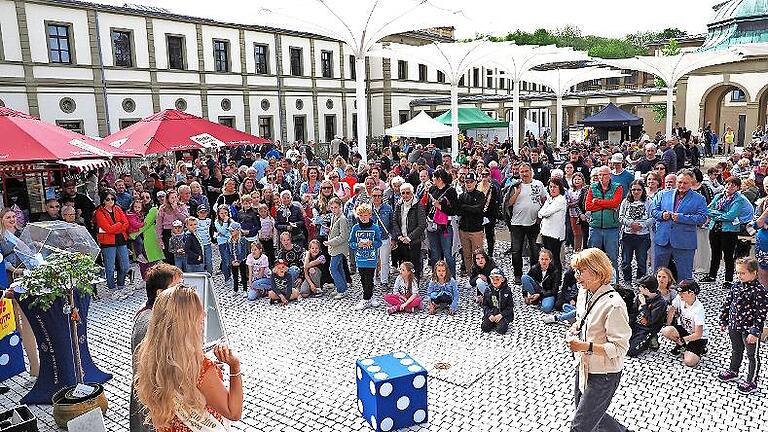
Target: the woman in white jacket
pixel 552 215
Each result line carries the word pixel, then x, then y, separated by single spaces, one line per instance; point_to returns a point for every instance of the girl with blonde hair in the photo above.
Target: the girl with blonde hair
pixel 181 388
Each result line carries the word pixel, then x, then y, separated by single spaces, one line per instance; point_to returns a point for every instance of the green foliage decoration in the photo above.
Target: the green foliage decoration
pixel 57 277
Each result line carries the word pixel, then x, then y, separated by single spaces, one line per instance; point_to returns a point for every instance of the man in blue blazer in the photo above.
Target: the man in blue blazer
pixel 678 212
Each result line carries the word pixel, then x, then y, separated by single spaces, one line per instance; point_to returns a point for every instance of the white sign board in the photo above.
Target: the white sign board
pixel 213 331
pixel 207 141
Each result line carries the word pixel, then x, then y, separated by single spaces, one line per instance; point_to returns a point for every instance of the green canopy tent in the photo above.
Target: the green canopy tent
pixel 472 118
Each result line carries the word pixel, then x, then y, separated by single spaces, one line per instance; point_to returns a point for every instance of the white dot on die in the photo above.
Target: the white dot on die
pixel 386 424
pixel 360 406
pixel 419 416
pixel 386 389
pixel 4 359
pixel 373 422
pixel 414 368
pixel 366 362
pixel 406 362
pixel 14 340
pixel 419 381
pixel 373 388
pixel 399 355
pixel 374 369
pixel 380 376
pixel 359 374
pixel 403 402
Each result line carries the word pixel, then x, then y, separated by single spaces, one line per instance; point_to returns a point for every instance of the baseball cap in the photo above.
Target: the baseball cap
pixel 202 207
pixel 688 285
pixel 281 262
pixel 235 226
pixel 497 272
pixel 177 223
pixel 470 177
pixel 617 158
pixel 650 283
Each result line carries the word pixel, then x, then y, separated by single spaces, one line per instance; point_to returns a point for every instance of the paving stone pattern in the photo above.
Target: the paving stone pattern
pixel 298 368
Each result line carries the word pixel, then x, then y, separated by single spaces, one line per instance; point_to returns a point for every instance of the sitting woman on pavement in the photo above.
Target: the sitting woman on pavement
pixel 566 299
pixel 541 284
pixel 479 277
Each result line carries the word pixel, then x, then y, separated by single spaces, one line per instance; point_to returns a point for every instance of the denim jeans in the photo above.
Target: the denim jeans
pixel 481 286
pixel 440 247
pixel 226 261
pixel 384 256
pixel 532 287
pixel 208 259
pixel 606 239
pixel 115 255
pixel 569 313
pixel 591 406
pixel 260 284
pixel 194 268
pixel 637 246
pixel 337 273
pixel 180 262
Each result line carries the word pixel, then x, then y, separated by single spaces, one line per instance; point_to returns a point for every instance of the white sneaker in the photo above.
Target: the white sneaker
pixel 339 296
pixel 549 319
pixel 374 303
pixel 362 304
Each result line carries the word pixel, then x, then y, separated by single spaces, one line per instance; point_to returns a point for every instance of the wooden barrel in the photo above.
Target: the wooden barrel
pixel 66 407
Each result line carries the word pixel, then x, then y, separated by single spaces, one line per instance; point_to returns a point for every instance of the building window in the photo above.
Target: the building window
pixel 440 77
pixel 296 55
pixel 326 63
pixel 631 76
pixel 175 52
pixel 265 127
pixel 533 116
pixel 124 123
pixel 122 47
pixel 461 81
pixel 404 116
pixel 354 125
pixel 330 127
pixel 402 70
pixel 300 128
pixel 221 55
pixel 73 125
pixel 501 83
pixel 422 72
pixel 475 77
pixel 738 96
pixel 352 68
pixel 227 121
pixel 59 48
pixel 489 79
pixel 260 52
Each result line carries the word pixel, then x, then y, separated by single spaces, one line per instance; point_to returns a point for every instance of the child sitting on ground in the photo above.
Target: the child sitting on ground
pixel 292 254
pixel 176 244
pixel 652 311
pixel 259 275
pixel 135 217
pixel 566 300
pixel 193 247
pixel 743 316
pixel 689 333
pixel 443 289
pixel 542 282
pixel 313 270
pixel 405 292
pixel 282 287
pixel 498 304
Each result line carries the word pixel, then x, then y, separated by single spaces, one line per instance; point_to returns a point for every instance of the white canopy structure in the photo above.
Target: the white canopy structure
pixel 454 60
pixel 561 81
pixel 672 68
pixel 421 126
pixel 516 60
pixel 360 24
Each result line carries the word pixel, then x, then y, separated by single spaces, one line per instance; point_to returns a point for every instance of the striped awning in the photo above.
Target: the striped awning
pixel 88 164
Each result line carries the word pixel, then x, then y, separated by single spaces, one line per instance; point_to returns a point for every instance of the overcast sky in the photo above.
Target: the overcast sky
pixel 597 17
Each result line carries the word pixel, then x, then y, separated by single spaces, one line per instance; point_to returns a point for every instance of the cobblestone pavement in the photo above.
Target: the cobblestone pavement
pixel 298 369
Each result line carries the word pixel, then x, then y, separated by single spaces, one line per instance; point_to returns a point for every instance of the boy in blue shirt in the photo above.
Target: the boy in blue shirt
pixel 364 240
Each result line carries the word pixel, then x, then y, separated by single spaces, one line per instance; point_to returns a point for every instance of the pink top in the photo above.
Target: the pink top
pixel 166 217
pixel 135 222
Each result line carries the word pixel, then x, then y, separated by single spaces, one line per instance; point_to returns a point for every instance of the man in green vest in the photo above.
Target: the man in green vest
pixel 603 201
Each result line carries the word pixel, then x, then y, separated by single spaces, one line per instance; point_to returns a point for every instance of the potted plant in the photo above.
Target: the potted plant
pixel 64 275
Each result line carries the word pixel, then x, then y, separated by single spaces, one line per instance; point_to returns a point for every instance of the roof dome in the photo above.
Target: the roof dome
pixel 735 9
pixel 737 22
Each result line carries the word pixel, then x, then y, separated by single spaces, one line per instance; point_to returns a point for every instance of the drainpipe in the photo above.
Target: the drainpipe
pixel 103 77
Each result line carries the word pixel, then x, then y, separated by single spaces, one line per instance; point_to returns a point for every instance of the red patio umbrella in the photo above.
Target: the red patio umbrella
pixel 24 138
pixel 172 130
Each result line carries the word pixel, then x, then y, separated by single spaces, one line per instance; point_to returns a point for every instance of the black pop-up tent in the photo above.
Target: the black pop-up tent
pixel 612 118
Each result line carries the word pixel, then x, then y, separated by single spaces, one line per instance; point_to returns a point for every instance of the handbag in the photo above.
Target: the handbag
pixel 438 217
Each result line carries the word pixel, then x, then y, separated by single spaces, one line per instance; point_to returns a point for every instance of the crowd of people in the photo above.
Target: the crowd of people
pixel 590 219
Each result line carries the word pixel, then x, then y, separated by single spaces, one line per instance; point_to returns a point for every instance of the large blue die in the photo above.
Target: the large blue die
pixel 391 391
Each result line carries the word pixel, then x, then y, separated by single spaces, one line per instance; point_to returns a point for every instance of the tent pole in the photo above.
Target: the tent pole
pixel 670 109
pixel 516 143
pixel 454 120
pixel 362 107
pixel 559 117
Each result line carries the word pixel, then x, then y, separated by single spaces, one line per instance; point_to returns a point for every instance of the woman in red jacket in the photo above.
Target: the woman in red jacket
pixel 112 225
